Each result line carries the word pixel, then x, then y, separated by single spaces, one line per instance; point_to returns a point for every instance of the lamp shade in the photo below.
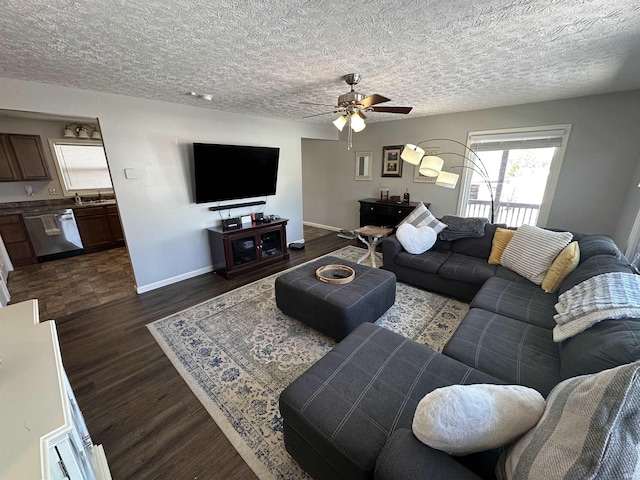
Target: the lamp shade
pixel 340 122
pixel 447 179
pixel 412 154
pixel 68 131
pixel 357 123
pixel 82 132
pixel 96 135
pixel 431 166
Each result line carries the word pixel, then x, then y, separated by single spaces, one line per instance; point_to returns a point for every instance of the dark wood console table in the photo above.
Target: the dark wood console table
pixel 244 249
pixel 384 214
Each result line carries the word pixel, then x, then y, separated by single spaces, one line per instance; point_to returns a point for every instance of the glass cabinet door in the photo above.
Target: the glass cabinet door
pixel 271 242
pixel 243 249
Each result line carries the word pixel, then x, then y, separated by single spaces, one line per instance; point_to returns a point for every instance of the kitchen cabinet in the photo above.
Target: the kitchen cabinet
pixel 244 249
pixel 384 214
pixel 22 158
pixel 43 432
pixel 16 240
pixel 99 227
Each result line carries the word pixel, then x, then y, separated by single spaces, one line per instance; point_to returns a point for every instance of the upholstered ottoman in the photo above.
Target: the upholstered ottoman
pixel 335 310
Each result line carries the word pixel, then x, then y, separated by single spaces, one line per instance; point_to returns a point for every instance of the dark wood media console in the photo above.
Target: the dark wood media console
pixel 384 214
pixel 249 247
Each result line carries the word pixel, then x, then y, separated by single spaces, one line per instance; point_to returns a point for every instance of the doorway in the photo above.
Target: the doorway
pixel 101 271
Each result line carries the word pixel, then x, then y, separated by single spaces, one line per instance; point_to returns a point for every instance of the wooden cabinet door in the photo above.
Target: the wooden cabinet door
pixel 8 171
pixel 93 225
pixel 15 238
pixel 29 156
pixel 117 235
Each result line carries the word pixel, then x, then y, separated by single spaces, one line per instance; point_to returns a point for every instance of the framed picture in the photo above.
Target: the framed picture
pixel 417 178
pixel 391 161
pixel 363 165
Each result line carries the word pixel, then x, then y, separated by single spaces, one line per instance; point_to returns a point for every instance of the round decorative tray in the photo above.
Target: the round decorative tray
pixel 335 274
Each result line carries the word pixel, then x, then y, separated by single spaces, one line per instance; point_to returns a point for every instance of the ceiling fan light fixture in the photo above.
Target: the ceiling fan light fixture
pixel 431 166
pixel 412 154
pixel 340 122
pixel 357 123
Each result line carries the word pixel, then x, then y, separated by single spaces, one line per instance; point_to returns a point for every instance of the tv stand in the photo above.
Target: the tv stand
pixel 247 248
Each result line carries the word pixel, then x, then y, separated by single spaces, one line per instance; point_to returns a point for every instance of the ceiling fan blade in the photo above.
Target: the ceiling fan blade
pixel 318 114
pixel 361 115
pixel 392 109
pixel 321 104
pixel 373 100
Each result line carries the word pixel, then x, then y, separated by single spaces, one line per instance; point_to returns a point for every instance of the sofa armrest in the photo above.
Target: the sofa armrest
pixel 404 456
pixel 390 248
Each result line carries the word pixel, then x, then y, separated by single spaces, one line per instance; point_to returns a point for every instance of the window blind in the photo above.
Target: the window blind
pixel 84 167
pixel 517 140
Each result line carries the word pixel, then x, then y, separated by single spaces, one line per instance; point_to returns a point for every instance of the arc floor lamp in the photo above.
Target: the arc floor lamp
pixel 431 166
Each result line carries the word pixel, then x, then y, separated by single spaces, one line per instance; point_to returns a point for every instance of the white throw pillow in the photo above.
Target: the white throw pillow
pixel 464 419
pixel 532 250
pixel 416 240
pixel 422 217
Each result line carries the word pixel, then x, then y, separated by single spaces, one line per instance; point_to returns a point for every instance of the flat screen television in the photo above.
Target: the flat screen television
pixel 228 172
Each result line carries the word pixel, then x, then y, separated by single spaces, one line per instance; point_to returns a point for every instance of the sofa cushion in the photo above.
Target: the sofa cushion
pixel 467 269
pixel 590 429
pixel 476 247
pixel 429 261
pixel 523 301
pixel 532 250
pixel 592 245
pixel 591 267
pixel 422 217
pixel 350 401
pixel 605 345
pixel 416 240
pixel 405 457
pixel 513 351
pixel 563 265
pixel 504 272
pixel 466 419
pixel 501 239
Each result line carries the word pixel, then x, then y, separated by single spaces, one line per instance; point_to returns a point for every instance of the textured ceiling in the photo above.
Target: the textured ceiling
pixel 263 57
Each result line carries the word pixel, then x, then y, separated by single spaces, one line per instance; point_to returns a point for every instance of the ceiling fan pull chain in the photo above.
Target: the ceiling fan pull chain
pixel 350 141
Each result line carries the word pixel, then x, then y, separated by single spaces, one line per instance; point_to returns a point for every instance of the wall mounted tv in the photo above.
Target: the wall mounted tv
pixel 228 172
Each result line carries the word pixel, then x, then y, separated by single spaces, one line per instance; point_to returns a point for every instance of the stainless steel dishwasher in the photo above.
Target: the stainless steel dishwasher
pixel 53 234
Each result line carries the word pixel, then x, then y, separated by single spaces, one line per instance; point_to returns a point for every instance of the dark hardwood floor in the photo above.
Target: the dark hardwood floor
pixel 134 402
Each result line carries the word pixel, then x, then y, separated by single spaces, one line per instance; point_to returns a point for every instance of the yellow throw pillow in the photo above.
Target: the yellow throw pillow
pixel 501 239
pixel 565 263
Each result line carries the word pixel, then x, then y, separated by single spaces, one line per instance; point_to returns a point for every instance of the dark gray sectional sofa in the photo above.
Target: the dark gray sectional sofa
pixel 349 416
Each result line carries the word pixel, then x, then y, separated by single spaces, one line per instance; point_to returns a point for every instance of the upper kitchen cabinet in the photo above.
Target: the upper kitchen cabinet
pixel 22 158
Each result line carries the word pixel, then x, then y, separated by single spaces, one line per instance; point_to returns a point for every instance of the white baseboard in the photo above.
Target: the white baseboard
pixel 318 225
pixel 172 280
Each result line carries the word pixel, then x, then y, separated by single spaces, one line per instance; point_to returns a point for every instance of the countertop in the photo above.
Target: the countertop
pixel 40 206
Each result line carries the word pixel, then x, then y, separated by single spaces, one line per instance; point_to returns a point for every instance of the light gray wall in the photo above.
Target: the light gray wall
pixel 164 229
pixel 593 188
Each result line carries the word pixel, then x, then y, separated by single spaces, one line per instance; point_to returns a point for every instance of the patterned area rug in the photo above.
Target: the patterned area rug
pixel 237 352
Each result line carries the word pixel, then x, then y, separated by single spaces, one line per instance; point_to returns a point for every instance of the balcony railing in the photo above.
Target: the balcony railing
pixel 513 214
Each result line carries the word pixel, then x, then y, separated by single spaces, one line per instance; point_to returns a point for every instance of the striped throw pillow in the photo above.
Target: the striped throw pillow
pixel 422 217
pixel 532 250
pixel 589 430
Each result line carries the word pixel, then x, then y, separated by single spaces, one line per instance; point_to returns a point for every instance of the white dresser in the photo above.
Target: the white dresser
pixel 42 432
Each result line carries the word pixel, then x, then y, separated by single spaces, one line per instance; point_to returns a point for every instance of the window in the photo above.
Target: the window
pixel 522 166
pixel 82 166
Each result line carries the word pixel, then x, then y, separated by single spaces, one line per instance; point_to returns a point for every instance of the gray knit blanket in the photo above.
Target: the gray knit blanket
pixel 462 227
pixel 606 296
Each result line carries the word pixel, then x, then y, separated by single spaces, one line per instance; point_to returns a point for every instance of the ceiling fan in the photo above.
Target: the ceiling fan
pixel 353 105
